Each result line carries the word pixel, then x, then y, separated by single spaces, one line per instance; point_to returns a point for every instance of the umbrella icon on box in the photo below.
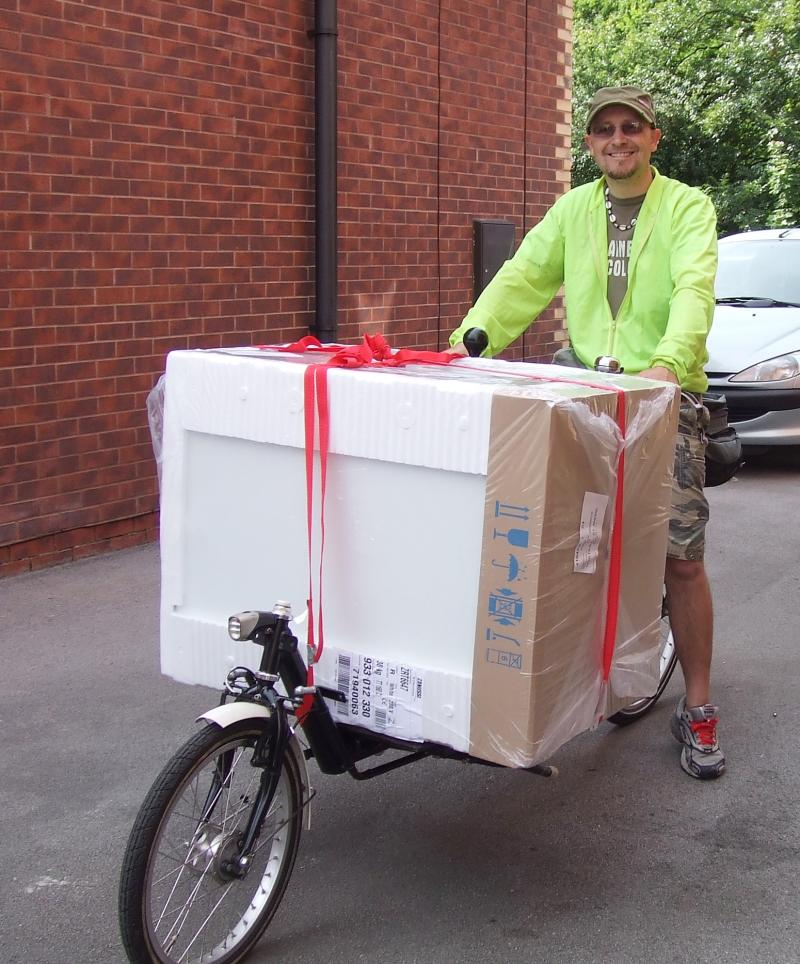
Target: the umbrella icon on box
pixel 513 566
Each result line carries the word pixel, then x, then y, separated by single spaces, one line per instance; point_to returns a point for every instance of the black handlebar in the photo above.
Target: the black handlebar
pixel 475 341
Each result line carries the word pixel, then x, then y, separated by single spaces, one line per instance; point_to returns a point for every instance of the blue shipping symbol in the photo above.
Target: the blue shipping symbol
pixel 501 658
pixel 513 567
pixel 516 537
pixel 491 634
pixel 506 509
pixel 505 607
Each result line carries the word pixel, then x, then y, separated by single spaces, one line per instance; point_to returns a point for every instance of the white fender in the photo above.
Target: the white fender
pixel 230 713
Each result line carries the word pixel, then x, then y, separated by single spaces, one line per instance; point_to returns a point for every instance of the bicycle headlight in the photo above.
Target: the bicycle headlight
pixel 242 625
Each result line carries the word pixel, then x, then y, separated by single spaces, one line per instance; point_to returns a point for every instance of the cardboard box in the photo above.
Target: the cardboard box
pixel 467 538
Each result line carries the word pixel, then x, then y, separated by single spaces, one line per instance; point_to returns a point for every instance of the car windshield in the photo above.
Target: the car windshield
pixel 759 269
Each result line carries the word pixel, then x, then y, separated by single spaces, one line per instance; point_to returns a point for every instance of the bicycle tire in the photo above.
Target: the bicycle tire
pixel 171 886
pixel 669 660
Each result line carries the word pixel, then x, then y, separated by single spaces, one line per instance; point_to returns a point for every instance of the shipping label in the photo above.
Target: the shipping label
pixel 382 695
pixel 591 531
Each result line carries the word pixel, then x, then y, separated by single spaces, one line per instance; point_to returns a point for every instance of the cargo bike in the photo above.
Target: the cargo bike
pixel 214 843
pixel 213 846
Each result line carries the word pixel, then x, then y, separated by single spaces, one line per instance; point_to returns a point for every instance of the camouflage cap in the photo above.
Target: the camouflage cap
pixel 633 97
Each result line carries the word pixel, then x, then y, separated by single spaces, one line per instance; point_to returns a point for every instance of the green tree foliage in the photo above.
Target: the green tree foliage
pixel 725 75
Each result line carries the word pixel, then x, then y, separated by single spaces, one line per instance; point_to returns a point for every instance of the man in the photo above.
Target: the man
pixel 637 255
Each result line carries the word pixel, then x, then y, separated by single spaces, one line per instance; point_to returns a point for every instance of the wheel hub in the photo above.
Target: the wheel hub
pixel 228 862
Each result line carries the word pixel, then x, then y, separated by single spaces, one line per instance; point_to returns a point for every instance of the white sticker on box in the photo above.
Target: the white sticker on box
pixel 381 695
pixel 591 531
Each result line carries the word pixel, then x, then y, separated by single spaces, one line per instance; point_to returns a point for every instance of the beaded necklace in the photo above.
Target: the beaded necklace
pixel 613 218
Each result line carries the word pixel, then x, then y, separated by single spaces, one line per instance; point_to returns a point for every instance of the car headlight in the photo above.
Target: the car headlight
pixel 772 370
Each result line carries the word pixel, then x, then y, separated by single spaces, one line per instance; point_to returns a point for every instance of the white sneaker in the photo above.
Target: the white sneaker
pixel 695 727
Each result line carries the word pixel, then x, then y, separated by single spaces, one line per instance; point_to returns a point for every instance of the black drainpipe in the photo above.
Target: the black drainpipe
pixel 324 33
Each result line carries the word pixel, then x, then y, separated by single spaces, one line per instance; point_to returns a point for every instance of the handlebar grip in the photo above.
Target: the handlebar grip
pixel 475 341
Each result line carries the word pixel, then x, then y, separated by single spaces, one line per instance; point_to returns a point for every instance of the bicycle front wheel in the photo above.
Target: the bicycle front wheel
pixel 179 901
pixel 668 662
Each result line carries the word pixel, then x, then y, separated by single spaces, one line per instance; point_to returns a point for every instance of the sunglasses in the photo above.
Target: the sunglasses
pixel 630 128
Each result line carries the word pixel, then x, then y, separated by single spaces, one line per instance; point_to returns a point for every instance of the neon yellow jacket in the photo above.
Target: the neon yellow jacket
pixel 667 311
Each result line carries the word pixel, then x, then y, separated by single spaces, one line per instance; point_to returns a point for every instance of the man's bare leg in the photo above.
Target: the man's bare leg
pixel 692 621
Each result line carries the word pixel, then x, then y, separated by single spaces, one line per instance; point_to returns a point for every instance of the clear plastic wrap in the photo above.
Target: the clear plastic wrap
pixel 468 539
pixel 155 419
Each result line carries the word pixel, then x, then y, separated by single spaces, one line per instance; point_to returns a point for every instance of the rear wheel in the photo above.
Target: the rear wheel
pixel 668 662
pixel 179 900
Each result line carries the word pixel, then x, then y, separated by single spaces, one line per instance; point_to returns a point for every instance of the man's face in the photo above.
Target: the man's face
pixel 622 143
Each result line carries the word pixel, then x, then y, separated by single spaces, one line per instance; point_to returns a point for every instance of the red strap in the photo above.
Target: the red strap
pixel 315 390
pixel 309 392
pixel 321 382
pixel 309 343
pixel 615 559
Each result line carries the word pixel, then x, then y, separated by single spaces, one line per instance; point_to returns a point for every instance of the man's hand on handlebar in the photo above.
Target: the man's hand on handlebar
pixel 474 343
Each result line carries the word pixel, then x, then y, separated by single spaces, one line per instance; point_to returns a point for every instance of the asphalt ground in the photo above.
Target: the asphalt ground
pixel 621 858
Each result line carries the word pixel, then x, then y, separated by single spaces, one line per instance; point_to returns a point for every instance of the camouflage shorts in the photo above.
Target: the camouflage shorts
pixel 689 512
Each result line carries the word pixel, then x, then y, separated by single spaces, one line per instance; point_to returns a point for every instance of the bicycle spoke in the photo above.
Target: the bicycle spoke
pixel 204 924
pixel 184 911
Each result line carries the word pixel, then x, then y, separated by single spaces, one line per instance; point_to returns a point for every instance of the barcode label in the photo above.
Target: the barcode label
pixel 343 684
pixel 380 695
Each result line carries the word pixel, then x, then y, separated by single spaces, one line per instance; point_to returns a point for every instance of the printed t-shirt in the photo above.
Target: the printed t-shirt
pixel 619 247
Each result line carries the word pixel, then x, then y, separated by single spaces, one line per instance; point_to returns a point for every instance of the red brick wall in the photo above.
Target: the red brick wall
pixel 483 131
pixel 448 112
pixel 156 192
pixel 388 108
pixel 549 135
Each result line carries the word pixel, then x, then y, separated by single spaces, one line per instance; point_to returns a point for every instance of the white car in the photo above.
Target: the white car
pixel 754 344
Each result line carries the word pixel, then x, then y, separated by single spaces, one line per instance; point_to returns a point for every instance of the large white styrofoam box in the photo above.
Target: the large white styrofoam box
pixel 467 534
